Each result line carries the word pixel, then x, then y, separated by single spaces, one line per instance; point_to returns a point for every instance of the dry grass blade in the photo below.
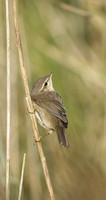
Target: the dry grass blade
pixel 29 104
pixel 22 176
pixel 75 10
pixel 8 104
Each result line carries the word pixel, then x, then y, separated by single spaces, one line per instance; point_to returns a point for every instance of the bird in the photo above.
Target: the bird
pixel 49 108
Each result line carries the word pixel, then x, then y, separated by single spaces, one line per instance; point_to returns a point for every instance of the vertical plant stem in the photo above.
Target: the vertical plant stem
pixel 8 104
pixel 22 176
pixel 29 104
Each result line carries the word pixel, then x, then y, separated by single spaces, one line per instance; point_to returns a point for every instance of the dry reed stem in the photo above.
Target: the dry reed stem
pixel 22 176
pixel 8 104
pixel 29 104
pixel 75 10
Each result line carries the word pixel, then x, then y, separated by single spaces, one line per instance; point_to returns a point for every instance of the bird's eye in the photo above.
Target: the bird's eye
pixel 45 84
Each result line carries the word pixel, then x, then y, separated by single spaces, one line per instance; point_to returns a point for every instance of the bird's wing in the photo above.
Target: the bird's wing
pixel 52 102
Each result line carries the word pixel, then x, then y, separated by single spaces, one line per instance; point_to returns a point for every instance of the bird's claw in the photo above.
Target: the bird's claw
pixel 38 139
pixel 33 112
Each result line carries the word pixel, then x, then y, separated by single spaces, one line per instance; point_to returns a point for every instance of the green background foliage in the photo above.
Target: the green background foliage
pixel 74 46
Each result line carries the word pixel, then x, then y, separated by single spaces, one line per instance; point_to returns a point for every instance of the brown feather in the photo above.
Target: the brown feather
pixel 52 103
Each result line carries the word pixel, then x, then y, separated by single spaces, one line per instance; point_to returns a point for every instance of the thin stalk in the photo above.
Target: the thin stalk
pixel 29 104
pixel 76 10
pixel 8 104
pixel 22 176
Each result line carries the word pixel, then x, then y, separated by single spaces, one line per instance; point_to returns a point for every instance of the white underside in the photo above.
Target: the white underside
pixel 39 120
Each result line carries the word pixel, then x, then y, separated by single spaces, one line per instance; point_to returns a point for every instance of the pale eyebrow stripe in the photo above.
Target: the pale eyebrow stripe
pixel 43 85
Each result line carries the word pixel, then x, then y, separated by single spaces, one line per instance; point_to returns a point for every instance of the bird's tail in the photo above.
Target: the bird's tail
pixel 62 136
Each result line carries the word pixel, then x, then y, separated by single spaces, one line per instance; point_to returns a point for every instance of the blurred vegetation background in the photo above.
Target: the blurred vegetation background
pixel 68 37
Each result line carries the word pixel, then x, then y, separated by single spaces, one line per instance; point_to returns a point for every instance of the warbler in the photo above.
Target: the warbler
pixel 49 108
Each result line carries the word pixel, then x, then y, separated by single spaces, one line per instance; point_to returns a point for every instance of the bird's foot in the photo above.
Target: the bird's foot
pixel 31 112
pixel 49 133
pixel 38 139
pixel 42 136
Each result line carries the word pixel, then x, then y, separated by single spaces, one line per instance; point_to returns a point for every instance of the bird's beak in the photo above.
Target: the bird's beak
pixel 51 74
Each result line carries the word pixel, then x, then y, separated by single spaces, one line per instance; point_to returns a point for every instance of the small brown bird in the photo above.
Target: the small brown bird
pixel 49 108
